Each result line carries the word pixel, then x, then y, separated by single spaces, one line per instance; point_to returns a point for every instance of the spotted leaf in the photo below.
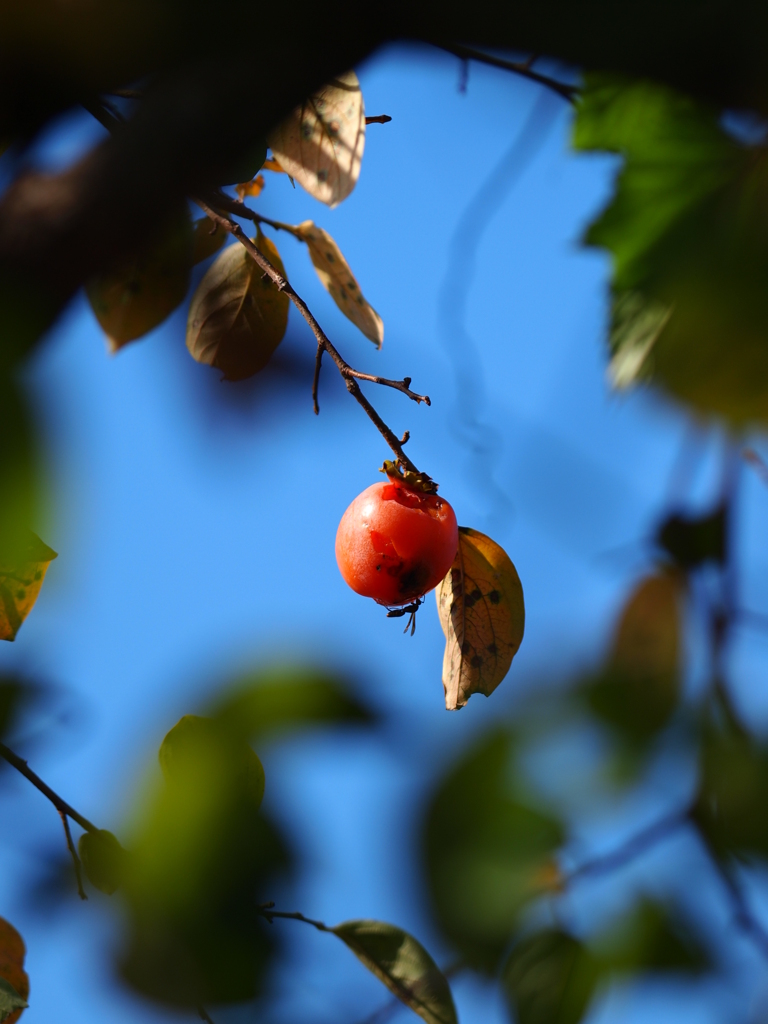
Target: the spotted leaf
pixel 21 577
pixel 480 604
pixel 336 276
pixel 321 143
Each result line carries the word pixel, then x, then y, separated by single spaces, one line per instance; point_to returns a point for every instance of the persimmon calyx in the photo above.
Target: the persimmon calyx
pixel 416 481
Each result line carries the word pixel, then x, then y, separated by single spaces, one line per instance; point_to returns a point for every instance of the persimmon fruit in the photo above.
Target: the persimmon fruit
pixel 395 543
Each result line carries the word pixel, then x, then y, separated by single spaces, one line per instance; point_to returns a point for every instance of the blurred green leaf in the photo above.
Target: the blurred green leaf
pixel 283 700
pixel 403 965
pixel 247 166
pixel 185 740
pixel 639 687
pixel 135 297
pixel 733 792
pixel 104 860
pixel 688 230
pixel 19 472
pixel 22 571
pixel 693 540
pixel 550 978
pixel 10 1000
pixel 486 852
pixel 651 938
pixel 237 316
pixel 202 860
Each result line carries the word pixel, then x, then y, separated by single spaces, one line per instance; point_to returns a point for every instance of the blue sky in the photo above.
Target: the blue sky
pixel 195 522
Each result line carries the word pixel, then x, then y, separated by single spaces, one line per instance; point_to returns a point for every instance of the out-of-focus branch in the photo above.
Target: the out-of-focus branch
pixel 523 68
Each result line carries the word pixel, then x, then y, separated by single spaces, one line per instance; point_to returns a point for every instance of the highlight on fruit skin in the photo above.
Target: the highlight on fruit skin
pixel 396 543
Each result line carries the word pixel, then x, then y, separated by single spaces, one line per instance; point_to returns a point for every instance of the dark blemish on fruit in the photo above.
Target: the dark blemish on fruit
pixel 494 597
pixel 412 582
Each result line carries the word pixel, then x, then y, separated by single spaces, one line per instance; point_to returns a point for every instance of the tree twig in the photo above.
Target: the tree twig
pixel 61 805
pixel 378 119
pixel 316 378
pixel 203 1014
pixel 523 68
pixel 266 911
pixel 631 849
pixel 349 375
pixel 73 853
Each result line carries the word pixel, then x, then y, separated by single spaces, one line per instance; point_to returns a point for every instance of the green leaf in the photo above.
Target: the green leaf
pixel 488 852
pixel 10 1000
pixel 237 316
pixel 193 735
pixel 284 700
pixel 19 468
pixel 403 965
pixel 652 939
pixel 639 687
pixel 203 857
pixel 104 860
pixel 137 295
pixel 688 231
pixel 733 792
pixel 550 978
pixel 482 613
pixel 248 166
pixel 22 572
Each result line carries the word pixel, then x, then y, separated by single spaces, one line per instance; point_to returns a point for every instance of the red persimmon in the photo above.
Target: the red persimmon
pixel 395 543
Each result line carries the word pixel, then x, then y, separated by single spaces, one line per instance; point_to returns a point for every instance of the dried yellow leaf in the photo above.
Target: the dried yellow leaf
pixel 251 188
pixel 321 143
pixel 21 577
pixel 336 276
pixel 647 638
pixel 481 609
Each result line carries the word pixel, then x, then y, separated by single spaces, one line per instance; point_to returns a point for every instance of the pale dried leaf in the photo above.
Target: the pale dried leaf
pixel 480 604
pixel 238 316
pixel 403 965
pixel 336 276
pixel 21 577
pixel 321 143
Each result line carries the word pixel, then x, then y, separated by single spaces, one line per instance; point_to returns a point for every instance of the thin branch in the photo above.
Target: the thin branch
pixel 203 1014
pixel 378 119
pixel 343 367
pixel 631 849
pixel 239 209
pixel 316 378
pixel 61 805
pixel 523 68
pixel 73 853
pixel 742 914
pixel 266 911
